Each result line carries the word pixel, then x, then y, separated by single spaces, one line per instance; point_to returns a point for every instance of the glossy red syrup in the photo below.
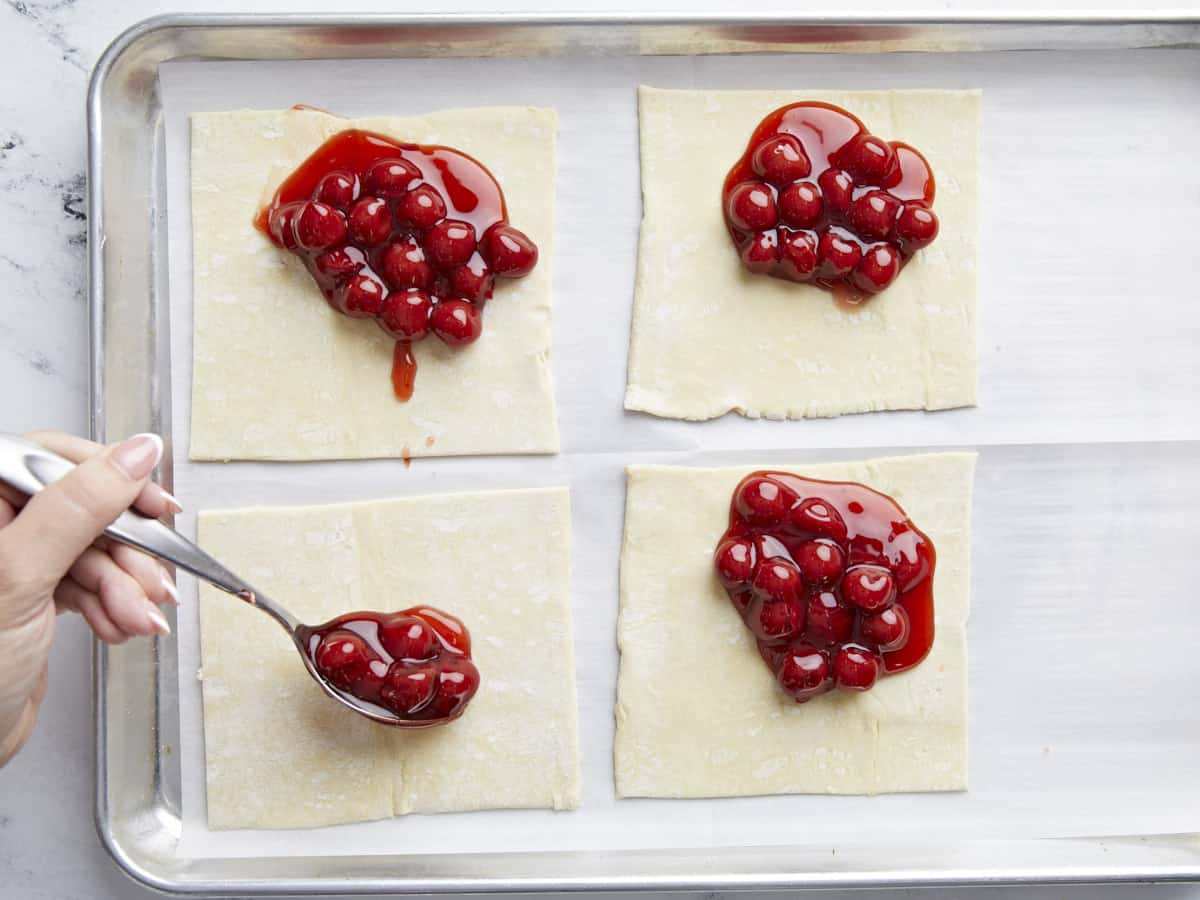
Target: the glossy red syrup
pixel 415 664
pixel 404 370
pixel 411 236
pixel 833 579
pixel 817 199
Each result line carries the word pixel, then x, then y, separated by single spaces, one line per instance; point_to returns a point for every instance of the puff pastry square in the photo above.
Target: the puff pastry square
pixel 709 337
pixel 277 374
pixel 699 715
pixel 280 754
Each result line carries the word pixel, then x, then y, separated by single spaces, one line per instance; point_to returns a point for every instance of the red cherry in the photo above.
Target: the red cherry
pixel 339 264
pixel 867 158
pixel 800 205
pixel 763 502
pixel 343 657
pixel 773 621
pixel 877 269
pixel 742 600
pixel 508 251
pixel 761 253
pixel 449 243
pixel 450 631
pixel 798 255
pixel 408 689
pixel 781 159
pixel 814 517
pixel 403 265
pixel 370 222
pixel 804 672
pixel 407 637
pixel 868 587
pixel 916 228
pixel 856 668
pixel 405 315
pixel 338 189
pixel 422 207
pixel 318 227
pixel 751 207
pixel 473 281
pixel 887 629
pixel 369 685
pixel 778 579
pixel 873 214
pixel 837 189
pixel 392 178
pixel 456 322
pixel 457 683
pixel 820 562
pixel 837 255
pixel 828 620
pixel 281 225
pixel 361 297
pixel 735 560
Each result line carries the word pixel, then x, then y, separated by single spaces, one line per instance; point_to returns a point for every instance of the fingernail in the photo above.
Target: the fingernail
pixel 170 588
pixel 175 505
pixel 157 619
pixel 137 456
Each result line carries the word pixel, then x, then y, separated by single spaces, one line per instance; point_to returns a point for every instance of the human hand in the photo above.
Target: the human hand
pixel 53 558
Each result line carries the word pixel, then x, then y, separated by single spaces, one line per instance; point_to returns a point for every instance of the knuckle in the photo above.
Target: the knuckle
pixel 109 586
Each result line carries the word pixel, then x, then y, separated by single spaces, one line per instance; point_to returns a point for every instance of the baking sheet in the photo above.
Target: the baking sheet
pixel 1081 541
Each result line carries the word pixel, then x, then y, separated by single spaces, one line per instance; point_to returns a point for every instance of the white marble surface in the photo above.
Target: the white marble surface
pixel 48 847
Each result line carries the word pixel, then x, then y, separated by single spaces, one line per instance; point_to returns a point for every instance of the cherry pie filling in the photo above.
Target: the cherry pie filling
pixel 818 199
pixel 416 664
pixel 832 578
pixel 411 236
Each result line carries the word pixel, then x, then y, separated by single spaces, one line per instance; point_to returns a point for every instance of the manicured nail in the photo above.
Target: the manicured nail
pixel 137 456
pixel 175 505
pixel 157 619
pixel 169 587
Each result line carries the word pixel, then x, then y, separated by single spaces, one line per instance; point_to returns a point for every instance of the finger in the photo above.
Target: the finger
pixel 69 596
pixel 64 519
pixel 153 500
pixel 12 496
pixel 8 512
pixel 73 447
pixel 15 739
pixel 120 594
pixel 43 684
pixel 152 577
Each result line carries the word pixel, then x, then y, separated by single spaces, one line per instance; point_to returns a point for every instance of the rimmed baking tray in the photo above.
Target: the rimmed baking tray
pixel 136 685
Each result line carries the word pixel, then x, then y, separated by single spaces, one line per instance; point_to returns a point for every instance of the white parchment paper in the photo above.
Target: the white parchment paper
pixel 1082 672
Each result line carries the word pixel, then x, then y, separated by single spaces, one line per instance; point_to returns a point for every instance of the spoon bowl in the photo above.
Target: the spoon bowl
pixel 29 468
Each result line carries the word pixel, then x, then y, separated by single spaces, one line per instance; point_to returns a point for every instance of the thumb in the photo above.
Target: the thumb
pixel 61 521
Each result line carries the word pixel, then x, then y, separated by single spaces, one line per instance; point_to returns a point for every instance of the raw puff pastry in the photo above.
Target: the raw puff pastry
pixel 699 715
pixel 709 337
pixel 280 754
pixel 279 375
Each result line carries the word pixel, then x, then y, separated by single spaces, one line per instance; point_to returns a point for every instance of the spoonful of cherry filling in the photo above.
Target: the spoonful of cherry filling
pixel 410 669
pixel 413 666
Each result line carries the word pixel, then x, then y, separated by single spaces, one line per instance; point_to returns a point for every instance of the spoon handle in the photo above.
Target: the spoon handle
pixel 29 468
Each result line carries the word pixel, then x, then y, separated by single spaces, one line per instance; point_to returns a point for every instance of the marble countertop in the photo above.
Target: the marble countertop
pixel 48 847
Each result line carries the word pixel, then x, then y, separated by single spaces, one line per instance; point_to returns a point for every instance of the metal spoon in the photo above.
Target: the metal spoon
pixel 29 468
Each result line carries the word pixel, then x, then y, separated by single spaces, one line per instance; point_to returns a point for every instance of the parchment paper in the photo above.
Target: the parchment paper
pixel 1082 671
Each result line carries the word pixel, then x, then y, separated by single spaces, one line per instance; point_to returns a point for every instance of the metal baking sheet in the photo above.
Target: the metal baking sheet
pixel 139 783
